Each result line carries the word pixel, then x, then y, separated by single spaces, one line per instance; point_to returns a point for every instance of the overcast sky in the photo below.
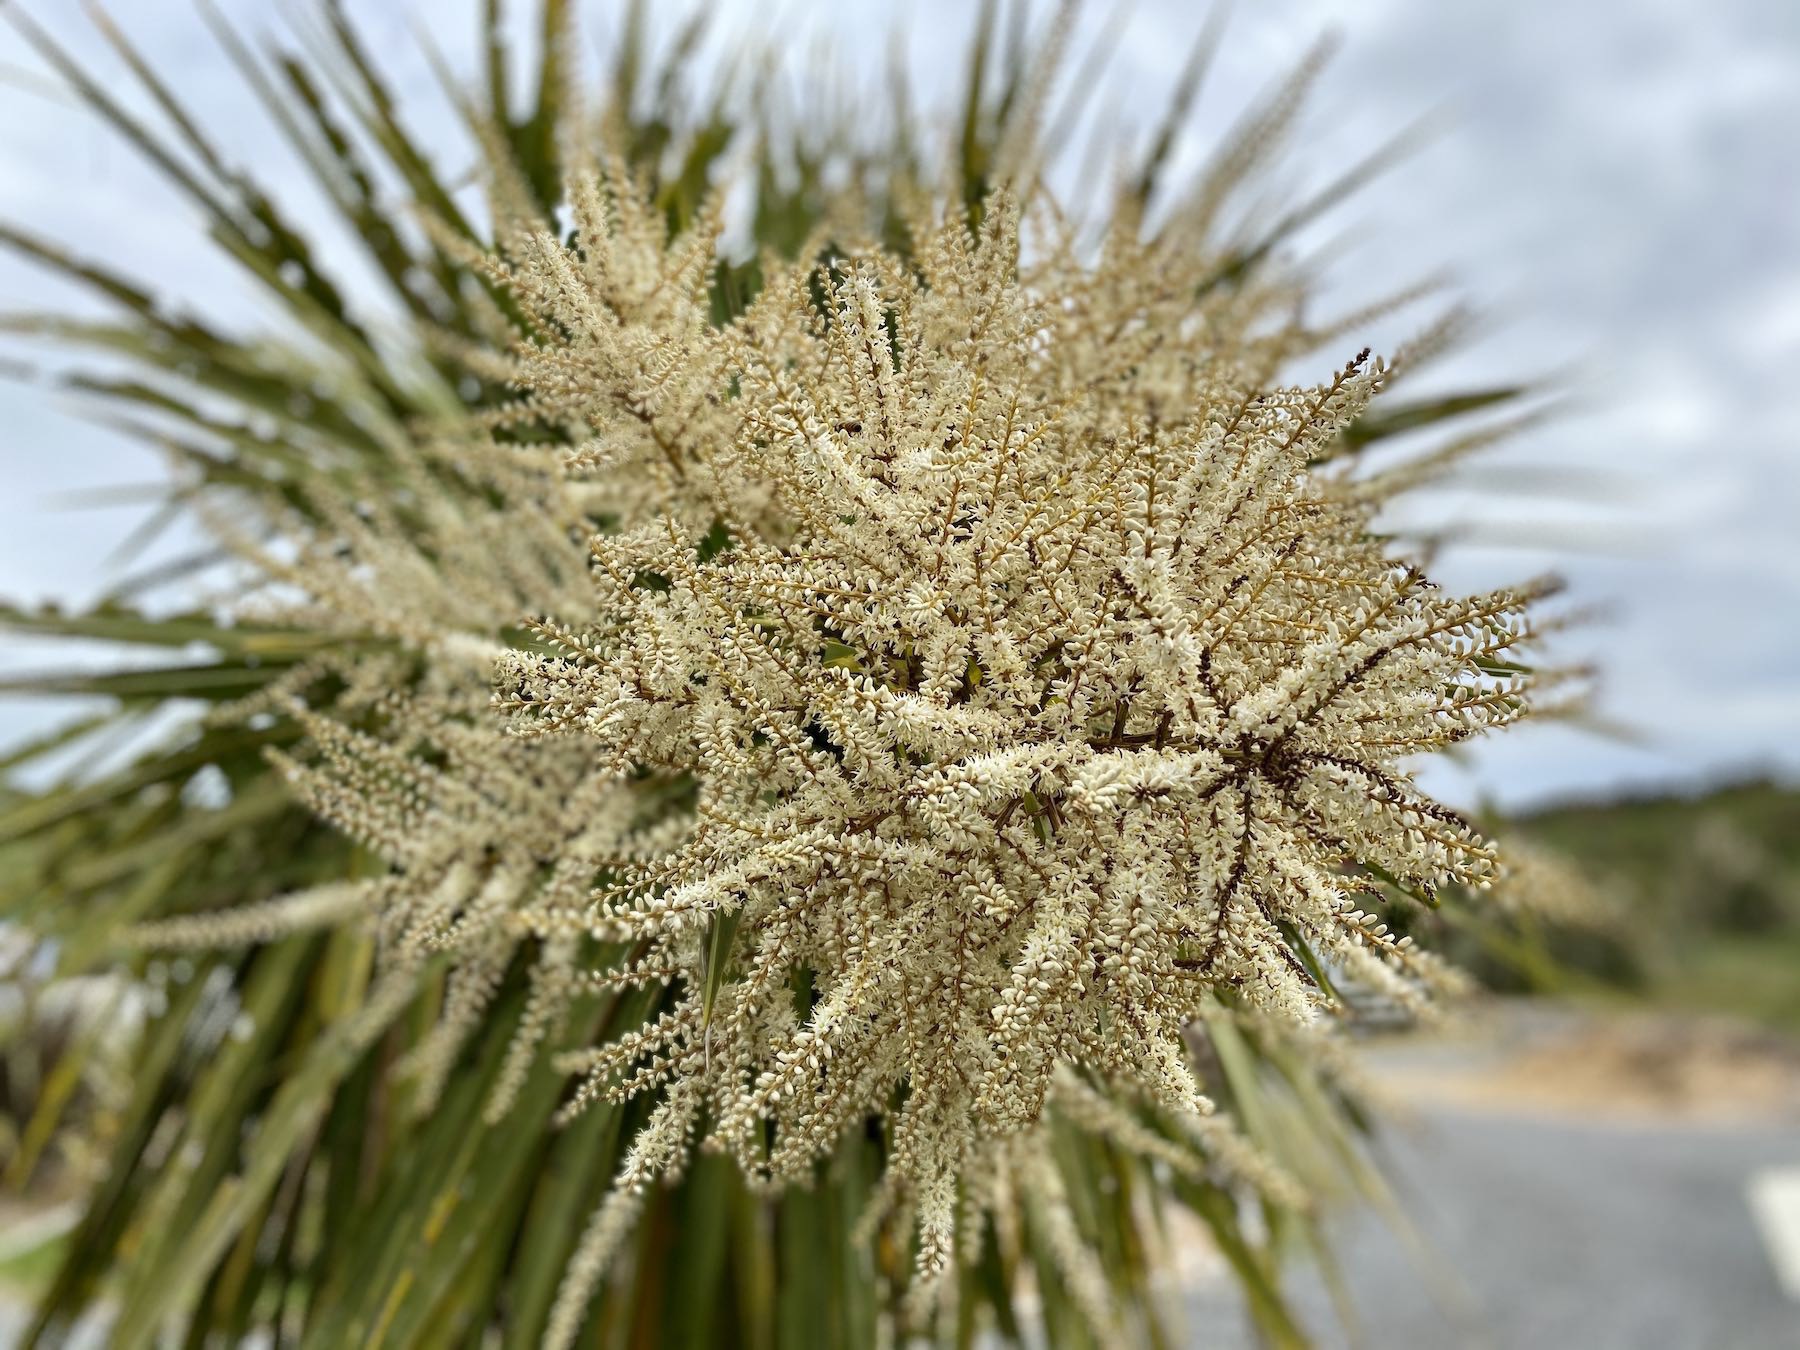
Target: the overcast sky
pixel 1616 184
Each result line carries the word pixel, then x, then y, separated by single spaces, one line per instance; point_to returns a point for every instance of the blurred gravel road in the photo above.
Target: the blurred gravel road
pixel 1555 1228
pixel 1564 1236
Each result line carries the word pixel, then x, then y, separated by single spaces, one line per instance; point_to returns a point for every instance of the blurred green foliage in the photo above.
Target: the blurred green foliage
pixel 1711 882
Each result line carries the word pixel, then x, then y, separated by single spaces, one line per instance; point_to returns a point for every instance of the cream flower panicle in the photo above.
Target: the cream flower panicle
pixel 951 678
pixel 1067 697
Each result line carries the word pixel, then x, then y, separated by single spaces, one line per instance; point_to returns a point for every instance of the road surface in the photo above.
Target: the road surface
pixel 1557 1222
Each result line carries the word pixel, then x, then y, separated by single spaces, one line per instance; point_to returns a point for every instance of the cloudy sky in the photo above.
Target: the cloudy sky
pixel 1617 186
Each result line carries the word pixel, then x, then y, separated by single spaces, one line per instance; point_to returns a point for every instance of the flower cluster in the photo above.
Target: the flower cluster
pixel 1066 699
pixel 955 675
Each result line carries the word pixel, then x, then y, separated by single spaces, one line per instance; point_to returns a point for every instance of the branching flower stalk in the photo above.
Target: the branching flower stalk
pixel 1022 684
